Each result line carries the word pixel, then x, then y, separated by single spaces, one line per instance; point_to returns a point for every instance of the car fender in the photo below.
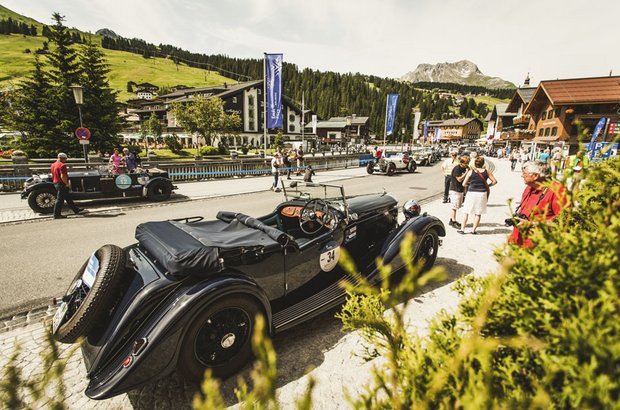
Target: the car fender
pixel 154 180
pixel 164 333
pixel 418 226
pixel 42 184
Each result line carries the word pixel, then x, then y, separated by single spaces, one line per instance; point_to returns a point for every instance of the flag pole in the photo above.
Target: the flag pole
pixel 303 119
pixel 265 101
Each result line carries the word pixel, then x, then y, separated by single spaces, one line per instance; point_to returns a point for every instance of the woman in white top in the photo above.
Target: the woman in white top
pixel 276 164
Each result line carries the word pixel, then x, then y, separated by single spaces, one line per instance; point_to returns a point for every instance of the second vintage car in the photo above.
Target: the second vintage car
pixel 187 294
pixel 390 163
pixel 100 183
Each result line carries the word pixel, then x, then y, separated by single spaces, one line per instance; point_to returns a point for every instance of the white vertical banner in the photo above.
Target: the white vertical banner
pixel 416 122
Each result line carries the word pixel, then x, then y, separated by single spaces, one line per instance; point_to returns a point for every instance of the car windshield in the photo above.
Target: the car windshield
pixel 309 190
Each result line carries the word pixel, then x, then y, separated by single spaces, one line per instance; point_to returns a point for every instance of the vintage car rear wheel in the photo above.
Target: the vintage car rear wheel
pixel 412 166
pixel 370 168
pixel 391 169
pixel 89 307
pixel 427 249
pixel 158 191
pixel 42 200
pixel 219 338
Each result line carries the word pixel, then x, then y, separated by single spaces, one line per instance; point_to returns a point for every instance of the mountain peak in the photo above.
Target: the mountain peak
pixel 106 32
pixel 460 72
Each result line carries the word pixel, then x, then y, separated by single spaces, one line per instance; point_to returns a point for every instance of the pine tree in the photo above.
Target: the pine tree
pixel 100 105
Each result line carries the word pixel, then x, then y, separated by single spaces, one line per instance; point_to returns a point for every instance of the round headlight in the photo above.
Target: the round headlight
pixel 411 208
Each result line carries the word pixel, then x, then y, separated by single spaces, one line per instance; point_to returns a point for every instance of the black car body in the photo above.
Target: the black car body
pixel 100 183
pixel 185 296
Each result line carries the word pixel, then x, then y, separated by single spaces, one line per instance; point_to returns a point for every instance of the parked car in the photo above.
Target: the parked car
pixel 186 295
pixel 152 183
pixel 392 162
pixel 423 156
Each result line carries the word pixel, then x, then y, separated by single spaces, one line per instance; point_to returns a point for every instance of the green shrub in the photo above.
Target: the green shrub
pixel 245 149
pixel 542 333
pixel 173 143
pixel 208 150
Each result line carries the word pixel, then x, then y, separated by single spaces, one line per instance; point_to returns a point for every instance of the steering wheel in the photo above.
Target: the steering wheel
pixel 314 216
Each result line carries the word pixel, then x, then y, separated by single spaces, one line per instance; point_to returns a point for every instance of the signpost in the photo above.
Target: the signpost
pixel 83 134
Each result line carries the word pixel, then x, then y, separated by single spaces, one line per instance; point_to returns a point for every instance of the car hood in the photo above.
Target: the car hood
pixel 369 203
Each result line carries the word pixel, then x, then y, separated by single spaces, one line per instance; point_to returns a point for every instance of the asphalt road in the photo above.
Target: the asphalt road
pixel 39 258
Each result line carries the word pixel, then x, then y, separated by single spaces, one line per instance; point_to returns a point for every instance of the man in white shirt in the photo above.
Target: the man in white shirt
pixel 276 164
pixel 446 168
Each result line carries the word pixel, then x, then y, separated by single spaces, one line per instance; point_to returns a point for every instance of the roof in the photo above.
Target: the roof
pixel 218 90
pixel 457 122
pixel 582 90
pixel 354 120
pixel 521 96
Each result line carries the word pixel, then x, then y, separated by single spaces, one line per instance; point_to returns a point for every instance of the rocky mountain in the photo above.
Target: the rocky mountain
pixel 460 72
pixel 106 32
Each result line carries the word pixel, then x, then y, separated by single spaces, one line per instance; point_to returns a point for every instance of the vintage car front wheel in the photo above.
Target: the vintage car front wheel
pixel 158 191
pixel 370 168
pixel 412 166
pixel 219 338
pixel 42 200
pixel 83 306
pixel 391 169
pixel 427 249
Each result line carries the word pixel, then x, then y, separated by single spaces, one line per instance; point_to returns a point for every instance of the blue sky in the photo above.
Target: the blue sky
pixel 548 38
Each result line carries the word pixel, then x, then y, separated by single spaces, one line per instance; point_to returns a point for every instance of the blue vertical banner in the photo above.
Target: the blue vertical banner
pixel 273 84
pixel 437 135
pixel 425 131
pixel 392 100
pixel 597 130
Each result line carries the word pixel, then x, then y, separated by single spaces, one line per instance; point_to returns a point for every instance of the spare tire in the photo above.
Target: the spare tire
pixel 85 306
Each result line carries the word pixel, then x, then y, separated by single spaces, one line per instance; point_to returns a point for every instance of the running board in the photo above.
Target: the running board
pixel 318 303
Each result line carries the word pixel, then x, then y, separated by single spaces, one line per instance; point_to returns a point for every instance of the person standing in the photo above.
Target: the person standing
pixel 300 159
pixel 539 202
pixel 288 166
pixel 276 164
pixel 544 156
pixel 130 160
pixel 60 178
pixel 478 191
pixel 115 162
pixel 446 168
pixel 457 190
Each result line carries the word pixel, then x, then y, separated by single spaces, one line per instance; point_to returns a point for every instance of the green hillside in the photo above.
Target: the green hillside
pixel 15 64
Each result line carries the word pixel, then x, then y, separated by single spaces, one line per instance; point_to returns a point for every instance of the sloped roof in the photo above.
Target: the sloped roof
pixel 583 90
pixel 354 120
pixel 458 122
pixel 521 96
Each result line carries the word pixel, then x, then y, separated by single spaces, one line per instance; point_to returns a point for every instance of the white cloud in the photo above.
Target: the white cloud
pixel 550 39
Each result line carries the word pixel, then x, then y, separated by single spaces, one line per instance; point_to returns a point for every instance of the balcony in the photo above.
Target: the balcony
pixel 521 119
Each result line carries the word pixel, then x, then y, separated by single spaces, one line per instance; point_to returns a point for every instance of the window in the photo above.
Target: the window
pixel 234 100
pixel 554 131
pixel 251 100
pixel 540 132
pixel 544 116
pixel 291 128
pixel 291 117
pixel 557 112
pixel 550 114
pixel 547 130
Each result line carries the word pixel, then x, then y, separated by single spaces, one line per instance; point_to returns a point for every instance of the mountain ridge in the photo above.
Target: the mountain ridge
pixel 460 72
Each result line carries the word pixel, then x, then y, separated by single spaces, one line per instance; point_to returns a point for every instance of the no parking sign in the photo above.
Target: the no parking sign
pixel 82 133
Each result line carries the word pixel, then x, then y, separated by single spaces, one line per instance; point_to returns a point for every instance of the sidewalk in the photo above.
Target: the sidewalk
pixel 319 345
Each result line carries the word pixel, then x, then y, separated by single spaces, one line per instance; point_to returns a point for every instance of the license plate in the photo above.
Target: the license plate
pixel 59 316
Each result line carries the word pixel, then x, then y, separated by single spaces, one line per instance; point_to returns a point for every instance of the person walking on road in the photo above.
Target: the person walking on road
pixel 446 168
pixel 60 178
pixel 300 159
pixel 276 164
pixel 478 191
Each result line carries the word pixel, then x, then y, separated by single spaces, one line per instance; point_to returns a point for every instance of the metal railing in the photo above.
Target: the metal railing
pixel 13 176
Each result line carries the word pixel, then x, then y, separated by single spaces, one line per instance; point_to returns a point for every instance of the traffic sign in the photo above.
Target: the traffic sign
pixel 84 142
pixel 82 133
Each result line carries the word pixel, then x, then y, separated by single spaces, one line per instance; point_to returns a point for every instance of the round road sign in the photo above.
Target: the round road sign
pixel 82 133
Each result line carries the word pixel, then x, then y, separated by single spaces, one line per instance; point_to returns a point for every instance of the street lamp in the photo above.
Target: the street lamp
pixel 78 95
pixel 349 122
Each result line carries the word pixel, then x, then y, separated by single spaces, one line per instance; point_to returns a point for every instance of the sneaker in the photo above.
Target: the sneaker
pixel 445 201
pixel 460 231
pixel 79 211
pixel 457 225
pixel 451 223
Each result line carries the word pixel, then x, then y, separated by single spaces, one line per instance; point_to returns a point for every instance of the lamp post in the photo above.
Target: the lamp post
pixel 78 95
pixel 349 122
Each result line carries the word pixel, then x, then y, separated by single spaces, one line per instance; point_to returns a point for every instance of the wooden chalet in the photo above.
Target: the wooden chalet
pixel 456 129
pixel 500 119
pixel 341 131
pixel 558 106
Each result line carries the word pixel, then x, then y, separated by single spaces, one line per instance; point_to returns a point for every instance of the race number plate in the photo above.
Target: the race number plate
pixel 330 254
pixel 90 273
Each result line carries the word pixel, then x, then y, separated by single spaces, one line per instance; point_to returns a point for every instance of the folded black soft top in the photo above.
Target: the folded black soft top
pixel 195 248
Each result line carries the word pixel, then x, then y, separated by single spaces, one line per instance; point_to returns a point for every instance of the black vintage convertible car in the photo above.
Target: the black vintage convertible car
pixel 186 295
pixel 100 183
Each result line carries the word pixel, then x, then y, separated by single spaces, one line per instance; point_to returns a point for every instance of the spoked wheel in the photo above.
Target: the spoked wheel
pixel 92 295
pixel 427 249
pixel 42 200
pixel 391 169
pixel 220 339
